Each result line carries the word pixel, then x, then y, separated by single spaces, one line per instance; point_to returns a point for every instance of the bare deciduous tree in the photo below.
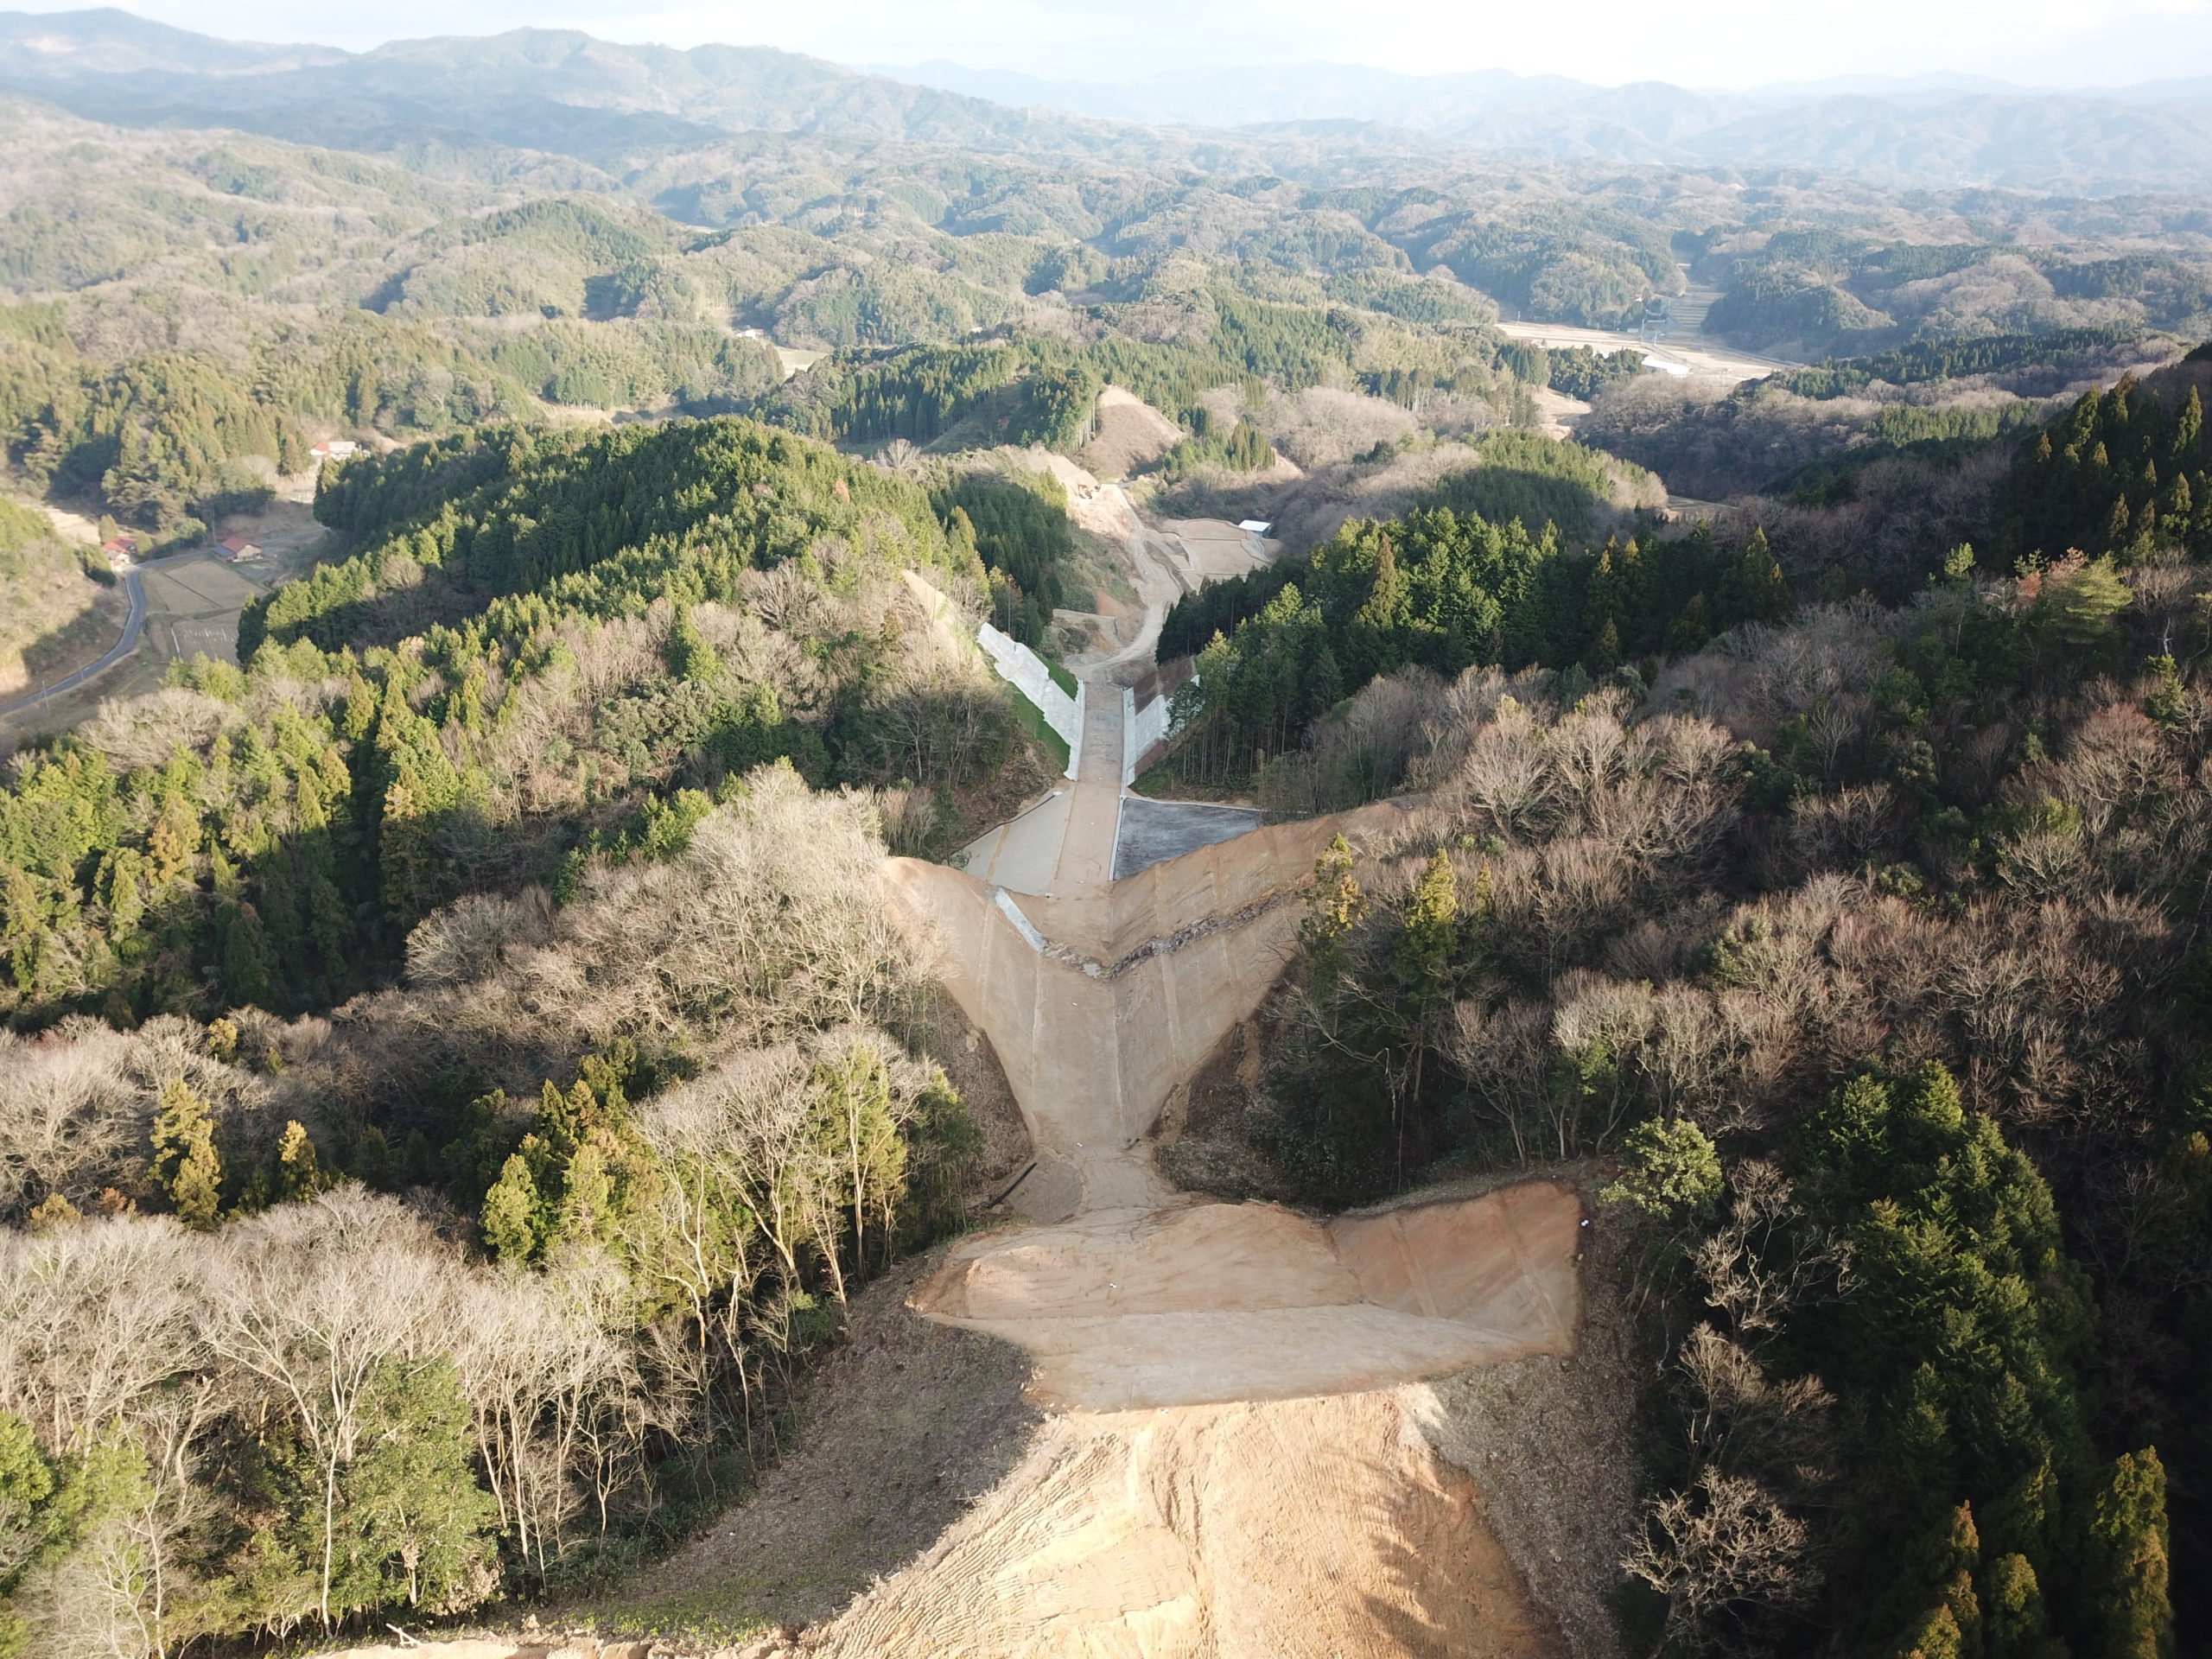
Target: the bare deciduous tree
pixel 1723 1554
pixel 310 1299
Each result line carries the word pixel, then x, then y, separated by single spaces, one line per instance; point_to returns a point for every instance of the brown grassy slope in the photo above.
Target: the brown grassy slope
pixel 53 618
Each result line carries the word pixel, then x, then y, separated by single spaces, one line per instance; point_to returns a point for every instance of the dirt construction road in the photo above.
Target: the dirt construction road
pixel 1100 1000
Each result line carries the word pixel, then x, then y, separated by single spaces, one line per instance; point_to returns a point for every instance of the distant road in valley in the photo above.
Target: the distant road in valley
pixel 133 627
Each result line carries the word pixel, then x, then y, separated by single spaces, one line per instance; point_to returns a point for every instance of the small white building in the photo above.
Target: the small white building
pixel 1255 527
pixel 336 450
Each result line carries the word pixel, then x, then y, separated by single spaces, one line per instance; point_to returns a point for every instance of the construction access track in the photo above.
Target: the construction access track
pixel 1235 1463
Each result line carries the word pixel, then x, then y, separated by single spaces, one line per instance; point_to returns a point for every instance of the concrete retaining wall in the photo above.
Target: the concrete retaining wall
pixel 1144 728
pixel 1027 670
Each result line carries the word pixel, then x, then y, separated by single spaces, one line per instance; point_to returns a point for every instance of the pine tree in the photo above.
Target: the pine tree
pixel 1605 655
pixel 175 841
pixel 418 1529
pixel 186 1163
pixel 689 656
pixel 1948 1563
pixel 1670 1170
pixel 28 1526
pixel 299 1172
pixel 2025 1521
pixel 2078 605
pixel 509 1218
pixel 2124 1570
pixel 1334 906
pixel 1689 631
pixel 1752 589
pixel 2114 535
pixel 1936 1635
pixel 245 956
pixel 587 1198
pixel 1429 941
pixel 2015 1622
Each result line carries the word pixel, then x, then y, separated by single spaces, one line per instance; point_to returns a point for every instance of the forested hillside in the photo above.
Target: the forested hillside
pixel 230 300
pixel 581 767
pixel 1863 943
pixel 458 1062
pixel 248 1390
pixel 549 648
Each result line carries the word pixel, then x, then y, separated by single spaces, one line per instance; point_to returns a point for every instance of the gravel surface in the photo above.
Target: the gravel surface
pixel 1152 832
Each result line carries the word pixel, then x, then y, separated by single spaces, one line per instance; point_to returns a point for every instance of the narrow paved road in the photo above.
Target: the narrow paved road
pixel 133 627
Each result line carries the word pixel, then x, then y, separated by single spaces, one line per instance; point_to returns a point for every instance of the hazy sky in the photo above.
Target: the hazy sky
pixel 1695 42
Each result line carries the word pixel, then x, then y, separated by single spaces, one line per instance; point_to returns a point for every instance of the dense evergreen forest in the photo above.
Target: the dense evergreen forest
pixel 1444 591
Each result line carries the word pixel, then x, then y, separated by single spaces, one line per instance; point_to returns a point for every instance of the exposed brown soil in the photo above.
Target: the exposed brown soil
pixel 1131 434
pixel 1308 1528
pixel 1201 1303
pixel 1550 1440
pixel 1241 1458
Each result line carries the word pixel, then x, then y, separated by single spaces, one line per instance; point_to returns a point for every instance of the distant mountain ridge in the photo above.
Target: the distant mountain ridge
pixel 565 91
pixel 1249 95
pixel 1933 130
pixel 514 88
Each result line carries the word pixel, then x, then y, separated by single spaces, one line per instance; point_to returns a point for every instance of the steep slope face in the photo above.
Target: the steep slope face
pixel 1318 1527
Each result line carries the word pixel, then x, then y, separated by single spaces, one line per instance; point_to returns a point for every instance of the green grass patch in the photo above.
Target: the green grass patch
pixel 1061 677
pixel 718 1615
pixel 1033 722
pixel 1160 783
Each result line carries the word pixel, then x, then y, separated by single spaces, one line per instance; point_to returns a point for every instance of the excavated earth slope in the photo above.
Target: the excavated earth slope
pixel 1318 1527
pixel 1235 1465
pixel 1238 1455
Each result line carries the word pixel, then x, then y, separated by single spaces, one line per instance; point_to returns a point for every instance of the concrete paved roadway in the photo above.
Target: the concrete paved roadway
pixel 133 627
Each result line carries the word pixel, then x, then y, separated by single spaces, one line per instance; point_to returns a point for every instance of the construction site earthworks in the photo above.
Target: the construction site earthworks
pixel 1124 1419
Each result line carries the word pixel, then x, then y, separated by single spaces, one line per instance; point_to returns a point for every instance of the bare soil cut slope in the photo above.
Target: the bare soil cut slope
pixel 1300 1529
pixel 1130 433
pixel 1212 1302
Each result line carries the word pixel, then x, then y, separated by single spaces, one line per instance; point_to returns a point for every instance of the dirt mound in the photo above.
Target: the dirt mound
pixel 1251 1531
pixel 1212 1302
pixel 1131 434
